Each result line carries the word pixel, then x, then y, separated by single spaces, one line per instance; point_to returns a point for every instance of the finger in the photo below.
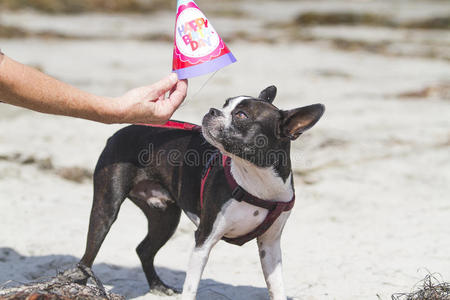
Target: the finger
pixel 168 107
pixel 179 94
pixel 175 86
pixel 165 84
pixel 173 90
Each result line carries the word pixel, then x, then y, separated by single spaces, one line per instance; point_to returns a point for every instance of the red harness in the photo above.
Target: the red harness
pixel 275 208
pixel 177 125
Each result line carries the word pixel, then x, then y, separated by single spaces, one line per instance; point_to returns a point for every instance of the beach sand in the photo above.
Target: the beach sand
pixel 372 215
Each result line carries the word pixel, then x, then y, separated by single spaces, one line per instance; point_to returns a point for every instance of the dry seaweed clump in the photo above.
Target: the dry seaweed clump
pixel 75 174
pixel 69 291
pixel 368 19
pixel 80 6
pixel 9 32
pixel 342 18
pixel 435 91
pixel 431 23
pixel 430 288
pixel 61 287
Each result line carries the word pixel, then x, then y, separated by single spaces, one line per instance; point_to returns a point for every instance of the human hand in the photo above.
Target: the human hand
pixel 149 104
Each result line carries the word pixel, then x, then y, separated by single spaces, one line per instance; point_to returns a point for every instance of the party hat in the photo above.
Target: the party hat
pixel 198 48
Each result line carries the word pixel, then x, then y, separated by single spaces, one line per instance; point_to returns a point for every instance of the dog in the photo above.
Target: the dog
pixel 232 177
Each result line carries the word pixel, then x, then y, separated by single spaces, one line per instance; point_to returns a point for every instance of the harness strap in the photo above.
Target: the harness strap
pixel 208 167
pixel 275 208
pixel 240 194
pixel 271 217
pixel 177 125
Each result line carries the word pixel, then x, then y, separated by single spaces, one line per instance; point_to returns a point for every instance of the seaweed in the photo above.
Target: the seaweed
pixel 430 288
pixel 367 19
pixel 81 6
pixel 342 18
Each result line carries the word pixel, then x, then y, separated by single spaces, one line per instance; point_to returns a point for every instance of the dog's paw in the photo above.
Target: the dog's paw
pixel 75 275
pixel 161 288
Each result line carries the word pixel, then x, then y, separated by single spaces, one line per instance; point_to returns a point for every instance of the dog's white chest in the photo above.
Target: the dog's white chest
pixel 242 218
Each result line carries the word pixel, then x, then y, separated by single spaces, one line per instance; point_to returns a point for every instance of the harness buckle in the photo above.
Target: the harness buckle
pixel 238 193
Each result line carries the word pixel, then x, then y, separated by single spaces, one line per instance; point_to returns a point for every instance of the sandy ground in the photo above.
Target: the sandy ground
pixel 372 178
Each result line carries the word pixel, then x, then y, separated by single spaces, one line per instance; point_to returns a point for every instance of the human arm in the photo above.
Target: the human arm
pixel 24 86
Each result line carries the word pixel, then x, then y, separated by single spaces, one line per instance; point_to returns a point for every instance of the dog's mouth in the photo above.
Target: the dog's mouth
pixel 209 137
pixel 211 131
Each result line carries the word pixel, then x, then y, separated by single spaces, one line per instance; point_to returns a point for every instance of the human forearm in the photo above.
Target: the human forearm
pixel 26 87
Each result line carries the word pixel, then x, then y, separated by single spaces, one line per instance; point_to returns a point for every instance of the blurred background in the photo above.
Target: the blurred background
pixel 372 177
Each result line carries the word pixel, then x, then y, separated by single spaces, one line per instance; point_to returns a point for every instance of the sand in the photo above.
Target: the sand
pixel 372 177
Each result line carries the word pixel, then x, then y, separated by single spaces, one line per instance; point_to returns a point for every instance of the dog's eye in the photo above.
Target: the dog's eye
pixel 241 115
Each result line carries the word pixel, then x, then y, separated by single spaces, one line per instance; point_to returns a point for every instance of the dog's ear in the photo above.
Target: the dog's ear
pixel 268 94
pixel 296 121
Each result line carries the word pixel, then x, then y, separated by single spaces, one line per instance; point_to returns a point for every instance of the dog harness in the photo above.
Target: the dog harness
pixel 275 208
pixel 177 125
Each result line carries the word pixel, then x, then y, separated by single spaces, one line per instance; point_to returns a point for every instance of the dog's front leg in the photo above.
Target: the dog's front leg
pixel 270 256
pixel 197 263
pixel 199 257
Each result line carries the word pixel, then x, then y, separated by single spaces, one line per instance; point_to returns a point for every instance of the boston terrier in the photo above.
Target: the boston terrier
pixel 232 177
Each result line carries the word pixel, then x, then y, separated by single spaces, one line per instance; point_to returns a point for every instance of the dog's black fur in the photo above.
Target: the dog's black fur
pixel 139 160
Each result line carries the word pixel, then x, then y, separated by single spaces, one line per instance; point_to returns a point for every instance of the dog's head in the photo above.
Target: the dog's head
pixel 255 130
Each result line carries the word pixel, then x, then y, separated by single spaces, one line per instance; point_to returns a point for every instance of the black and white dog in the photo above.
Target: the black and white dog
pixel 166 170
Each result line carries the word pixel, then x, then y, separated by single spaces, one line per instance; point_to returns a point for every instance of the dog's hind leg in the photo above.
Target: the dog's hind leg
pixel 163 216
pixel 109 194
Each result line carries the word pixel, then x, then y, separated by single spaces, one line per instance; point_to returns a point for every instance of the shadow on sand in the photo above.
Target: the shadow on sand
pixel 16 269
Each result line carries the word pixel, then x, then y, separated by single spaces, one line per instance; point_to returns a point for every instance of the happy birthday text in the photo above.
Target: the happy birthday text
pixel 195 33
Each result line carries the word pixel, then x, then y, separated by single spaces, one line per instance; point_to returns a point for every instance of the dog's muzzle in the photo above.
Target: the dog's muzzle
pixel 213 112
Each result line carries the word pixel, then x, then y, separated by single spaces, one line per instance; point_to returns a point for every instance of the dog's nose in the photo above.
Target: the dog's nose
pixel 214 112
